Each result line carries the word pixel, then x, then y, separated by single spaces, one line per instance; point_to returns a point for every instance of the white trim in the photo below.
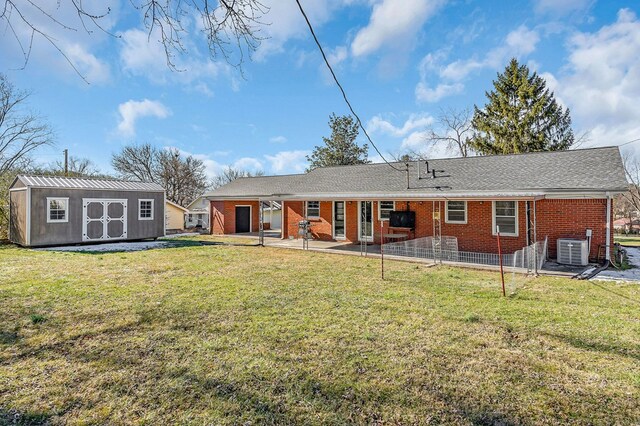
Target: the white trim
pixel 164 213
pixel 250 217
pixel 18 189
pixel 446 213
pixel 607 255
pixel 333 219
pixel 493 220
pixel 306 207
pixel 379 209
pixel 152 208
pixel 28 232
pixel 367 238
pixel 66 210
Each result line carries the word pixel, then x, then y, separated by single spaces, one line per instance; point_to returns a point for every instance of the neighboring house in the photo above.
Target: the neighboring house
pixel 529 196
pixel 58 210
pixel 626 225
pixel 174 216
pixel 197 215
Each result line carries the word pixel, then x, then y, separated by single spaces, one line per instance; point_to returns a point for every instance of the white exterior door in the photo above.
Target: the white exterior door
pixel 104 219
pixel 365 221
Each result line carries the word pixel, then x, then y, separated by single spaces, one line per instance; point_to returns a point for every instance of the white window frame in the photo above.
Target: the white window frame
pixel 333 219
pixel 66 209
pixel 380 210
pixel 493 220
pixel 140 200
pixel 446 213
pixel 306 209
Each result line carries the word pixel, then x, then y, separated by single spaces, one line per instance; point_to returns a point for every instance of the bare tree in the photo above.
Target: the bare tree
pixel 183 177
pixel 76 167
pixel 137 162
pixel 21 131
pixel 229 174
pixel 231 27
pixel 630 205
pixel 456 131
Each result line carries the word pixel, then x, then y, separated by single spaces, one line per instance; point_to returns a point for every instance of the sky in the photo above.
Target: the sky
pixel 402 62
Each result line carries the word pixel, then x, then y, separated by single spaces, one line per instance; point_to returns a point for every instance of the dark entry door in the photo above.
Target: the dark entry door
pixel 243 219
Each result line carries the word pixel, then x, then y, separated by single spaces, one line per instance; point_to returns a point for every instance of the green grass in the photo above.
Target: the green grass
pixel 251 335
pixel 627 240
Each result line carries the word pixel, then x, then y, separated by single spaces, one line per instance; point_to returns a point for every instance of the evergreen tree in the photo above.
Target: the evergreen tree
pixel 341 147
pixel 521 115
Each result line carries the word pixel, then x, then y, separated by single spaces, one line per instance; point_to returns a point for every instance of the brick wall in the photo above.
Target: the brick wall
pixel 555 219
pixel 223 216
pixel 571 219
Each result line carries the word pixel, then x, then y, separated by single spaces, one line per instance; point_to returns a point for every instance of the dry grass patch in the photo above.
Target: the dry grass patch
pixel 229 335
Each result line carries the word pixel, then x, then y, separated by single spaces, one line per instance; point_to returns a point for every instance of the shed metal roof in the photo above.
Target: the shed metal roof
pixel 85 183
pixel 532 174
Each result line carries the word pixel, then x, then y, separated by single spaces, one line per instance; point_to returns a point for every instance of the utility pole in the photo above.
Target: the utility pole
pixel 66 162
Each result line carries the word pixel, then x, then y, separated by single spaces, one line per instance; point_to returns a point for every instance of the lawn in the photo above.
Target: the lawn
pixel 251 335
pixel 627 240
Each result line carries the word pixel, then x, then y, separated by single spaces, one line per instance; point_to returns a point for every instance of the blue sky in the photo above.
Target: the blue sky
pixel 401 62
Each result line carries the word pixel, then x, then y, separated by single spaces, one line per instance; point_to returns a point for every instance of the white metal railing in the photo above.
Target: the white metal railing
pixel 443 249
pixel 446 249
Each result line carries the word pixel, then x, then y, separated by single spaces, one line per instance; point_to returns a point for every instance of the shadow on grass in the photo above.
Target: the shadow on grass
pixel 19 418
pixel 577 342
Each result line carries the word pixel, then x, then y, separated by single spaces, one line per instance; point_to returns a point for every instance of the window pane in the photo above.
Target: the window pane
pixel 505 208
pixel 313 208
pixel 507 225
pixel 386 207
pixel 456 205
pixel 455 216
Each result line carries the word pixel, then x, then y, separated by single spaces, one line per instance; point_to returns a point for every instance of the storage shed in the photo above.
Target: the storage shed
pixel 52 210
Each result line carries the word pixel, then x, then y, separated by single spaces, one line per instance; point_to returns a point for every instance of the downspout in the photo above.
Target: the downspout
pixel 608 228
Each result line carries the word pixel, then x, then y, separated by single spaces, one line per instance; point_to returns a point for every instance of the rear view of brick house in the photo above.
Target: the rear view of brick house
pixel 557 195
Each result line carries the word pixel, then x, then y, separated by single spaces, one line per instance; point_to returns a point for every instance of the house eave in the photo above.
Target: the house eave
pixel 442 195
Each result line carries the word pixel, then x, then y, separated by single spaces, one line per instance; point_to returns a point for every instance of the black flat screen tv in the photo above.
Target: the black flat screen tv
pixel 402 219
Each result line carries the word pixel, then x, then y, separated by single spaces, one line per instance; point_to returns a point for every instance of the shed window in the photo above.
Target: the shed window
pixel 313 209
pixel 505 215
pixel 385 208
pixel 145 209
pixel 456 212
pixel 57 210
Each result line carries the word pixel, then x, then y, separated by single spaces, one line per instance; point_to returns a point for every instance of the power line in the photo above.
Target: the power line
pixel 344 95
pixel 627 143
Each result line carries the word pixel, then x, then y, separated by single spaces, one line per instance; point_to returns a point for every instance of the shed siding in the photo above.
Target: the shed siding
pixel 18 217
pixel 175 217
pixel 43 233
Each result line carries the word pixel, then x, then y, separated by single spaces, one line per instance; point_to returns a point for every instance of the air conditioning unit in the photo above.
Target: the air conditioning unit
pixel 573 252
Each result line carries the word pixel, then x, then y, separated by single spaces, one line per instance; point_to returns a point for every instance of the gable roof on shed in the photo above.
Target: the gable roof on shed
pixel 22 181
pixel 525 175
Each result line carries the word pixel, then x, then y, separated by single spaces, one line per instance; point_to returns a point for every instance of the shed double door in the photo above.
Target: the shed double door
pixel 104 219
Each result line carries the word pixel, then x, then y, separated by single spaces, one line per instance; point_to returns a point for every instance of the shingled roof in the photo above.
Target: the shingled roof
pixel 84 183
pixel 532 174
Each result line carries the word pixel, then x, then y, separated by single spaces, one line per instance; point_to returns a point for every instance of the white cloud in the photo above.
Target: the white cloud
pixel 286 22
pixel 518 43
pixel 415 141
pixel 288 161
pixel 393 23
pixel 415 121
pixel 131 111
pixel 143 55
pixel 428 94
pixel 601 81
pixel 277 139
pixel 248 163
pixel 66 33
